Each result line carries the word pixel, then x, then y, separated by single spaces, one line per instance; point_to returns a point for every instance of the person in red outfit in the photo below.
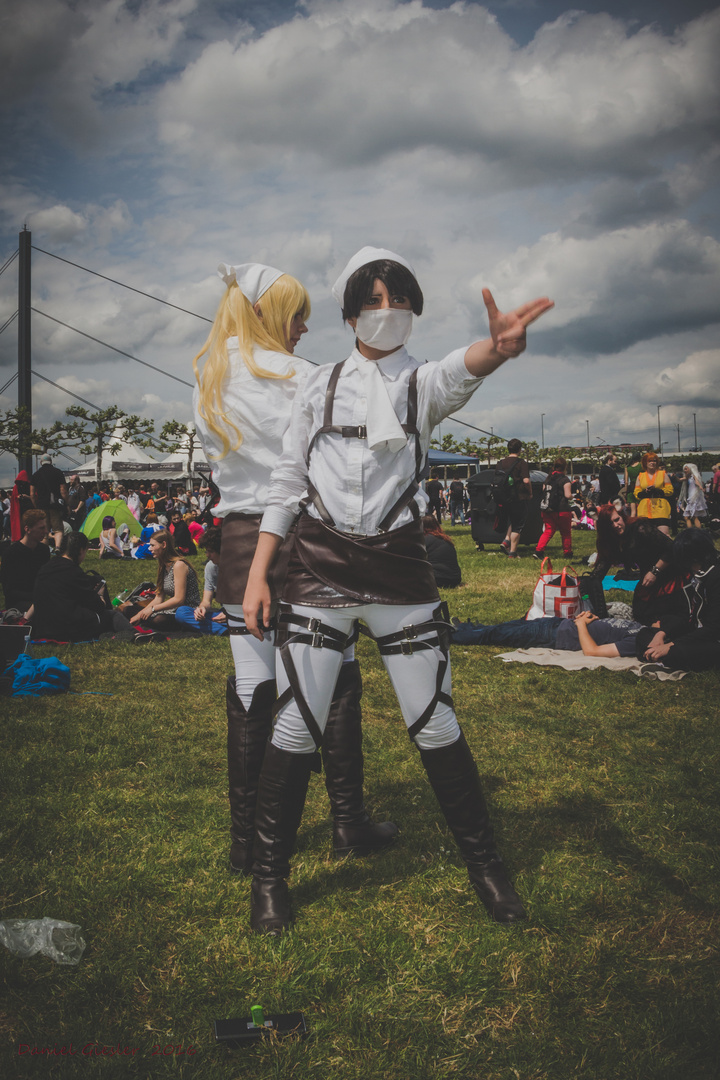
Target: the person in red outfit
pixel 556 515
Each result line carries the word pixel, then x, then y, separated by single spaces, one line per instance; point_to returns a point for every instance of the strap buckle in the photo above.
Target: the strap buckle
pixel 317 639
pixel 406 648
pixel 410 632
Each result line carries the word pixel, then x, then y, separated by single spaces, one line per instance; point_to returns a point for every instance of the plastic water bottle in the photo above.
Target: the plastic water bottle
pixel 61 941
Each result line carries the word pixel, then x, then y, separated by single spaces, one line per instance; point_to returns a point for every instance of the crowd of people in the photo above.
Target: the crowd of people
pixel 61 600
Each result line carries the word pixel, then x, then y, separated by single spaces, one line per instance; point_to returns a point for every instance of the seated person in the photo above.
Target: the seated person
pixel 692 643
pixel 177 587
pixel 585 633
pixel 194 527
pixel 110 546
pixel 645 552
pixel 141 544
pixel 202 617
pixel 182 538
pixel 441 554
pixel 69 604
pixel 22 562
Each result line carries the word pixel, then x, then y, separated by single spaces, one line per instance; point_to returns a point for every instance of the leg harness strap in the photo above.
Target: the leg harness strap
pixel 238 629
pixel 319 636
pixel 405 642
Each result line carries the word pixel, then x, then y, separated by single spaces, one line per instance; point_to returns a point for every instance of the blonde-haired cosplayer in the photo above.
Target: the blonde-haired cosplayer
pixel 242 406
pixel 267 326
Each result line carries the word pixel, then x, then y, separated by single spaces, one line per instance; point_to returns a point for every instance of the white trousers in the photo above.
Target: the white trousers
pixel 255 660
pixel 414 677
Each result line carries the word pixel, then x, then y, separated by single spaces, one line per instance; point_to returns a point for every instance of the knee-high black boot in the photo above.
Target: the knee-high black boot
pixel 247 736
pixel 353 831
pixel 281 798
pixel 453 775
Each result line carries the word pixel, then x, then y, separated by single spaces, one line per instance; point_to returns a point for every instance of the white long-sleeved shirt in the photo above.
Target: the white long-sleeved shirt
pixel 261 409
pixel 358 485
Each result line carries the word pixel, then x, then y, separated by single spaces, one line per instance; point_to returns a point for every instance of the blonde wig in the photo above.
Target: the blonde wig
pixel 268 329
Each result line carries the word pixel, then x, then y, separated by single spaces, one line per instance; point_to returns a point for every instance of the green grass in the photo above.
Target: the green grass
pixel 604 791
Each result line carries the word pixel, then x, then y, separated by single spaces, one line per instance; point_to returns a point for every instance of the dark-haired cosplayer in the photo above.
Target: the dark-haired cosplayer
pixel 352 458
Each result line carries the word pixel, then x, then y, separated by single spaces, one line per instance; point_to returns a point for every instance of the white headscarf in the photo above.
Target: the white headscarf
pixel 362 258
pixel 253 279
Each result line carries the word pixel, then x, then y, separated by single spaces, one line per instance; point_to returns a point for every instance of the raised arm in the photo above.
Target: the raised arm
pixel 508 333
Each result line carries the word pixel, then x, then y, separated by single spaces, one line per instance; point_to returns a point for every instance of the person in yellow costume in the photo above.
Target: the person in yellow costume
pixel 653 491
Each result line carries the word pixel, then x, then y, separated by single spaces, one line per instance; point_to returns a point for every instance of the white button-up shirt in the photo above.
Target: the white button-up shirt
pixel 261 409
pixel 357 485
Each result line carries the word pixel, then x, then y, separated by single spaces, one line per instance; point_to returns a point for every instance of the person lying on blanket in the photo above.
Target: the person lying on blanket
pixel 586 633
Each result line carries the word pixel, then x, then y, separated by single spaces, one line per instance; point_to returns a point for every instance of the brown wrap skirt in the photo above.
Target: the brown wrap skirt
pixel 327 568
pixel 239 539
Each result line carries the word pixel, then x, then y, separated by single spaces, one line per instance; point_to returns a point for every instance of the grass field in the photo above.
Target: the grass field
pixel 604 791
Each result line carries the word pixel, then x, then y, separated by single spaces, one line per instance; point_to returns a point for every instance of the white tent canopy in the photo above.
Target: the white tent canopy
pixel 129 461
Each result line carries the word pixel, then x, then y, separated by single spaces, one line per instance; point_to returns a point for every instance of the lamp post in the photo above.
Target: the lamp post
pixel 542 429
pixel 659 434
pixel 695 427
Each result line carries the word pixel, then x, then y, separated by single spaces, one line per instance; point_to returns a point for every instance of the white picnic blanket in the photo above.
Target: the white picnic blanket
pixel 576 661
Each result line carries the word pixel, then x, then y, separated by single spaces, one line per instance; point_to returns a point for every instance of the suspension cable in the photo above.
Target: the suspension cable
pixel 64 390
pixel 10 381
pixel 9 260
pixel 122 284
pixel 122 352
pixel 8 321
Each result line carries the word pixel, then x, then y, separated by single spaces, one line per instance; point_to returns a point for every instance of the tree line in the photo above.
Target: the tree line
pixel 93 432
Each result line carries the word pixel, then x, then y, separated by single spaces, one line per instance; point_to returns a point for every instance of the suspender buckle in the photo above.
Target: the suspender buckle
pixel 317 639
pixel 410 632
pixel 314 625
pixel 406 648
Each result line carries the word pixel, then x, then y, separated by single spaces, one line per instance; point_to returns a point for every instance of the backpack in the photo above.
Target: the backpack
pixel 551 494
pixel 502 488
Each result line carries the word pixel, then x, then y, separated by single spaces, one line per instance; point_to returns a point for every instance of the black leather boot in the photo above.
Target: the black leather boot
pixel 247 736
pixel 281 798
pixel 454 777
pixel 354 833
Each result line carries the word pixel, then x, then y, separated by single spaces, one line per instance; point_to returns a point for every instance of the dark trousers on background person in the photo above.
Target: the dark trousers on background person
pixel 556 521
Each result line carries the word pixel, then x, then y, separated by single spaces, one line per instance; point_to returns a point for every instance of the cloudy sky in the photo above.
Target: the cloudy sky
pixel 521 144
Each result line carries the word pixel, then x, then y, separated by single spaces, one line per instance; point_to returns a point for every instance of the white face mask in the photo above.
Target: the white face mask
pixel 388 328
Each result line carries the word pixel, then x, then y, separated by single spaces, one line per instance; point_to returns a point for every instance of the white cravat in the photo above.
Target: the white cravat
pixel 384 430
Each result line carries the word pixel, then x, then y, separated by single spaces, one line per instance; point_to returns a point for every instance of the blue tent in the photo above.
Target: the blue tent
pixel 438 458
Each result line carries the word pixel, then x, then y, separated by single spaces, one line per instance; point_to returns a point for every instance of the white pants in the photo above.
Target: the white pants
pixel 414 677
pixel 255 660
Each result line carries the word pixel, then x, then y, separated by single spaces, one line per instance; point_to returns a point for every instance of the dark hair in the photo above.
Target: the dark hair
pixel 514 446
pixel 31 518
pixel 431 525
pixel 609 541
pixel 694 546
pixel 559 464
pixel 108 521
pixel 395 277
pixel 211 539
pixel 73 544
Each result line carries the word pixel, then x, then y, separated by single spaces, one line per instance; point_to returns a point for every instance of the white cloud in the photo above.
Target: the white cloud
pixel 615 288
pixel 355 83
pixel 696 380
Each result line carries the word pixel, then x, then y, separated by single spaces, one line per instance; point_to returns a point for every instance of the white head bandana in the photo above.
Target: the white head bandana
pixel 362 258
pixel 253 279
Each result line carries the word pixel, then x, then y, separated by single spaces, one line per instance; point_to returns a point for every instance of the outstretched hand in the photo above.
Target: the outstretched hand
pixel 508 330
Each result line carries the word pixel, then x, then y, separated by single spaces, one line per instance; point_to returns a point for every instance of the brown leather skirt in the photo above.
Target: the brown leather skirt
pixel 328 568
pixel 239 539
